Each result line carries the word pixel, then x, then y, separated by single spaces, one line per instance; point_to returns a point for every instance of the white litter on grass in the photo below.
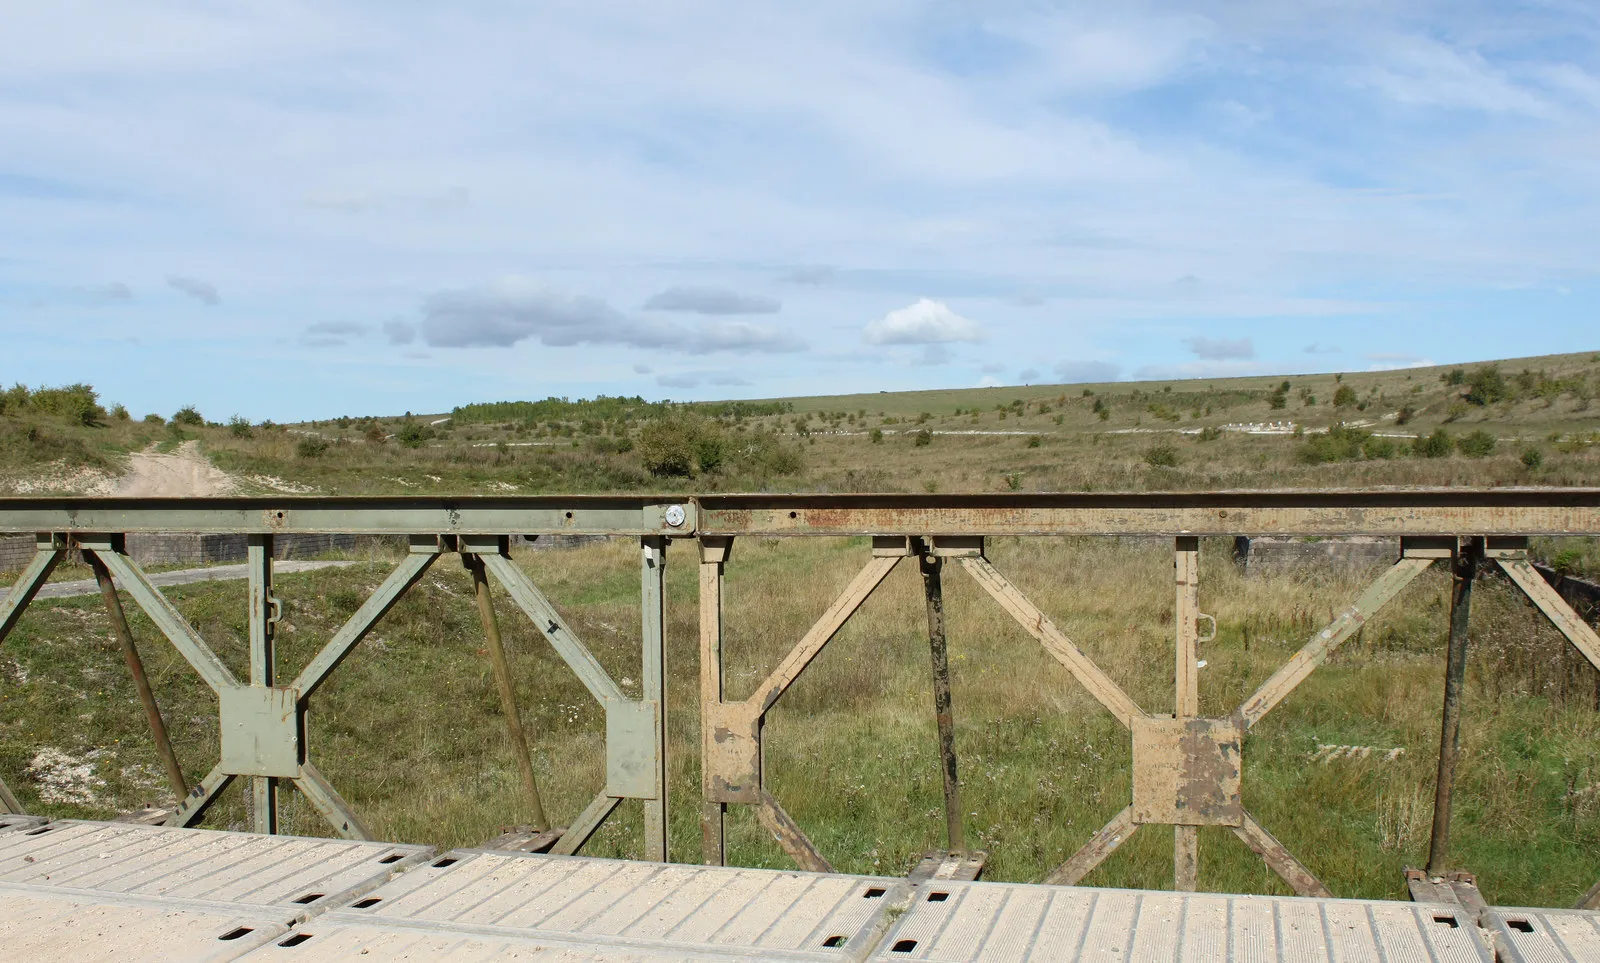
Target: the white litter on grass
pixel 501 486
pixel 1328 753
pixel 64 778
pixel 280 485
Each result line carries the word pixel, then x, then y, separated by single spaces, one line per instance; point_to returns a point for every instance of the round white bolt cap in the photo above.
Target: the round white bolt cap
pixel 675 515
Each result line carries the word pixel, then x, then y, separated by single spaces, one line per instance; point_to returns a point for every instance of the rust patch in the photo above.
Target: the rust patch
pixel 1186 772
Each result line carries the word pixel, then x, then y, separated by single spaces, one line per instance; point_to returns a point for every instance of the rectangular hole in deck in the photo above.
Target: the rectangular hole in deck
pixel 236 932
pixel 295 940
pixel 938 897
pixel 1449 921
pixel 833 941
pixel 369 901
pixel 41 829
pixel 310 898
pixel 873 893
pixel 442 863
pixel 1521 926
pixel 391 858
pixel 904 946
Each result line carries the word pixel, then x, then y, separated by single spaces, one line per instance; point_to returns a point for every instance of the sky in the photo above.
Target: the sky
pixel 295 210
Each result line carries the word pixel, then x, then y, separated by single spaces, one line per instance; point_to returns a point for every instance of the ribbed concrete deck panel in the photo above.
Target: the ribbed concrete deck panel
pixel 292 875
pixel 37 923
pixel 952 922
pixel 10 822
pixel 623 906
pixel 1553 936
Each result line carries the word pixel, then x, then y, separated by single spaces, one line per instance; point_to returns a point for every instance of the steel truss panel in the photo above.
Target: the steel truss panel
pixel 955 922
pixel 280 876
pixel 614 909
pixel 37 923
pixel 1568 511
pixel 476 514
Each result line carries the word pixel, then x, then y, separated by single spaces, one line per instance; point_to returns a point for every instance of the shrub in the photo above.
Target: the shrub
pixel 1477 444
pixel 1378 448
pixel 1532 458
pixel 120 413
pixel 1162 455
pixel 1034 441
pixel 1404 415
pixel 412 434
pixel 375 434
pixel 876 436
pixel 1455 376
pixel 1487 386
pixel 1437 445
pixel 1344 397
pixel 681 446
pixel 1210 434
pixel 1338 443
pixel 311 447
pixel 239 427
pixel 76 403
pixel 922 439
pixel 154 419
pixel 188 415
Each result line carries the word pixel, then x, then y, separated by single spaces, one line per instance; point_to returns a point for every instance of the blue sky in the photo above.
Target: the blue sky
pixel 296 210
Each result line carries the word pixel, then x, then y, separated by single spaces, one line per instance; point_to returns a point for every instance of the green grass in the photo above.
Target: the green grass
pixel 409 728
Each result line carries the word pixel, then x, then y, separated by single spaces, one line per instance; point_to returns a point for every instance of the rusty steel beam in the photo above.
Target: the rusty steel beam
pixel 787 833
pixel 1095 851
pixel 1279 859
pixel 508 691
pixel 1567 511
pixel 141 682
pixel 1186 699
pixel 713 813
pixel 933 590
pixel 1455 673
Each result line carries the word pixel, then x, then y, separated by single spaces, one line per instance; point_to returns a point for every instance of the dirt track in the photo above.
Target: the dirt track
pixel 182 473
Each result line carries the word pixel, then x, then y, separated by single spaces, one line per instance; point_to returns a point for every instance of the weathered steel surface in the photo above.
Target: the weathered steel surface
pixel 263 613
pixel 344 641
pixel 732 757
pixel 651 746
pixel 932 567
pixel 788 834
pixel 1012 923
pixel 1455 674
pixel 515 735
pixel 1316 651
pixel 584 826
pixel 260 731
pixel 291 875
pixel 1279 859
pixel 11 822
pixel 42 925
pixel 1572 511
pixel 22 591
pixel 1093 678
pixel 615 909
pixel 1550 602
pixel 713 811
pixel 1095 851
pixel 1186 772
pixel 400 515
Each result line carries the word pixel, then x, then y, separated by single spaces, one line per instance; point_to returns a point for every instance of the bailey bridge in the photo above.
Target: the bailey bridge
pixel 129 890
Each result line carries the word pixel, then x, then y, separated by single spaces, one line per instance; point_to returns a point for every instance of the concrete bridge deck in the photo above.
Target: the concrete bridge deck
pixel 75 890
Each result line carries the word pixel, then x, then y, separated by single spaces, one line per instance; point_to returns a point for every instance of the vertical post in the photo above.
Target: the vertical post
pixel 652 583
pixel 263 664
pixel 1467 555
pixel 508 693
pixel 713 559
pixel 141 683
pixel 1186 562
pixel 933 587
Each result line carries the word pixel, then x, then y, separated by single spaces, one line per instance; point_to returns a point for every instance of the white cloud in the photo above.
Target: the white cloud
pixel 1220 349
pixel 202 291
pixel 925 322
pixel 711 301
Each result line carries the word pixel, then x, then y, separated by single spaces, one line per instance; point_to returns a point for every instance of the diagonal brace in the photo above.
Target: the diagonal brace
pixel 353 631
pixel 1550 602
pixel 823 631
pixel 775 820
pixel 1279 859
pixel 26 586
pixel 1316 651
pixel 1095 851
pixel 200 798
pixel 168 619
pixel 585 825
pixel 554 627
pixel 1093 678
pixel 8 802
pixel 327 800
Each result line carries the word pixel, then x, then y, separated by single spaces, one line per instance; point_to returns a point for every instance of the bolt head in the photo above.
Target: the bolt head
pixel 675 515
